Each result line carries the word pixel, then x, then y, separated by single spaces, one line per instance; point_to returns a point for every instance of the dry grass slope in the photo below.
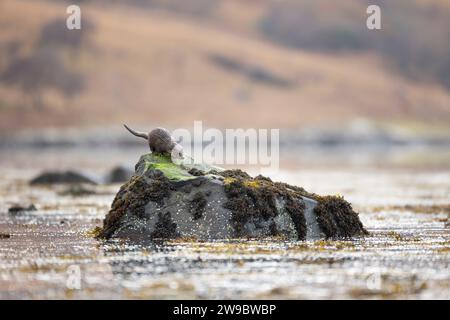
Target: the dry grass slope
pixel 151 66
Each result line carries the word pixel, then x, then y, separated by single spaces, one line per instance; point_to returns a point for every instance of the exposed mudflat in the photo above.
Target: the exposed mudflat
pixel 405 207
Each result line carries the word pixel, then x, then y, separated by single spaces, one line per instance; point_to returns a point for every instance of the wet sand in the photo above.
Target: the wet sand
pixel 405 208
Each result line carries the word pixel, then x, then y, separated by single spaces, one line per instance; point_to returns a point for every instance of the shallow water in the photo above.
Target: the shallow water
pixel 404 205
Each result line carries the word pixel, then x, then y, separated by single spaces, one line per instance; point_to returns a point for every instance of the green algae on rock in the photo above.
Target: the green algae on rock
pixel 164 200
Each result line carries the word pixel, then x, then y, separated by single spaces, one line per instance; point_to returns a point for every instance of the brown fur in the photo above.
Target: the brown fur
pixel 159 139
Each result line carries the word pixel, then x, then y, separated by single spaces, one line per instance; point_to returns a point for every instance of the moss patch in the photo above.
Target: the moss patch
pixel 164 164
pixel 336 218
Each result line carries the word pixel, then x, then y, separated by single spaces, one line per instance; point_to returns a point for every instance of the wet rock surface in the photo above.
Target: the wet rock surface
pixel 163 200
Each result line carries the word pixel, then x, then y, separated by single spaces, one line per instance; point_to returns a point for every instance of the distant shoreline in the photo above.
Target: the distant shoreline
pixel 105 137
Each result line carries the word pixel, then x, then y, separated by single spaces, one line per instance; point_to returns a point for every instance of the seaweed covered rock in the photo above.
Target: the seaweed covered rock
pixel 163 200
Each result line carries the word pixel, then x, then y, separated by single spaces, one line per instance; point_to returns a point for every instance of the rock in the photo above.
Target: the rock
pixel 17 209
pixel 54 177
pixel 5 236
pixel 163 200
pixel 119 174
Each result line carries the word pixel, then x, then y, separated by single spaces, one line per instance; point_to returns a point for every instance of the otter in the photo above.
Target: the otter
pixel 159 141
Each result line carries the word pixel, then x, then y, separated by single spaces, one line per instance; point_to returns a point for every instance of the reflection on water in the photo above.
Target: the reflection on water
pixel 402 197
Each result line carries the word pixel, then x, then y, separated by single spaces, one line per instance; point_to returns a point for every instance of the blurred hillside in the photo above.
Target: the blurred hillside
pixel 230 63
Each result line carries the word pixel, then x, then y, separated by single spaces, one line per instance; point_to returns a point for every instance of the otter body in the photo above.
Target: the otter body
pixel 159 141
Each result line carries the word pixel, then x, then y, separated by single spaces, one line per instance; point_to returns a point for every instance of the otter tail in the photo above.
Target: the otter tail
pixel 137 134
